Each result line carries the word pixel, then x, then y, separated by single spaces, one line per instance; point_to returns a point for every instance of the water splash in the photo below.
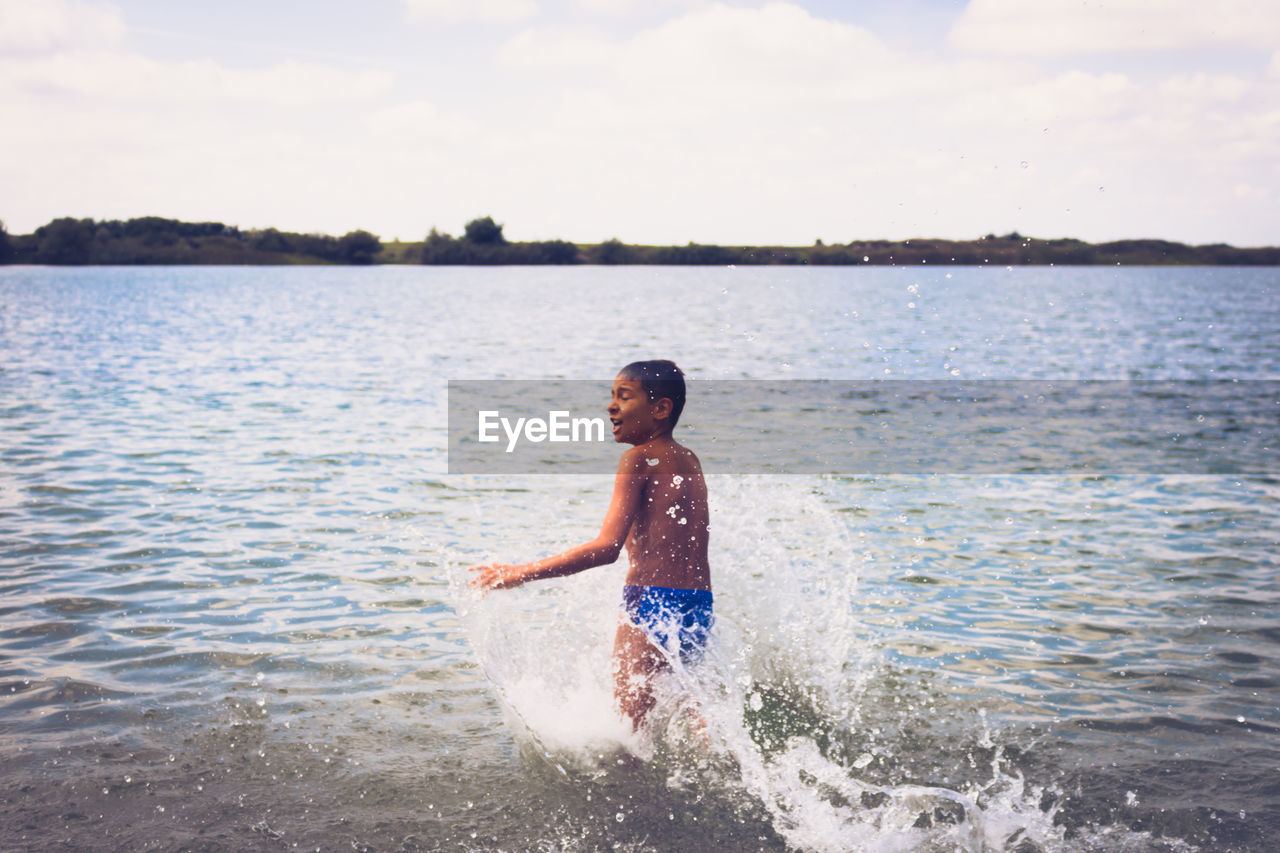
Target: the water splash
pixel 794 714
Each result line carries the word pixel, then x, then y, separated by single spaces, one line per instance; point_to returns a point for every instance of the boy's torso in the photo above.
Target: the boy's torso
pixel 667 544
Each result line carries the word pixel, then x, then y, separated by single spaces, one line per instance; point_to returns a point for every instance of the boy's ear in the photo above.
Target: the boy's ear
pixel 662 408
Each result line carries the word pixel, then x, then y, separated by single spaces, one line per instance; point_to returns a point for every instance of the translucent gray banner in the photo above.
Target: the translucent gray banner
pixel 1089 427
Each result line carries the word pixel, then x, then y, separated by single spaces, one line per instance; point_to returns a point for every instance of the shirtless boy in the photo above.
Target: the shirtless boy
pixel 659 511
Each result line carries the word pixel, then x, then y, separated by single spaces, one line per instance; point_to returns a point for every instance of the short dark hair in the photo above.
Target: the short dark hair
pixel 659 378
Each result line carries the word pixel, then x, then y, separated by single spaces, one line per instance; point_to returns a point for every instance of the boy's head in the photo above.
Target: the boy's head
pixel 660 379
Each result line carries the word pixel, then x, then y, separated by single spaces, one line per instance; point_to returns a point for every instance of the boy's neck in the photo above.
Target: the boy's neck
pixel 662 437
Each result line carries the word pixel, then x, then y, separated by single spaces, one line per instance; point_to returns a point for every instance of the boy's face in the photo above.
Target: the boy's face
pixel 635 420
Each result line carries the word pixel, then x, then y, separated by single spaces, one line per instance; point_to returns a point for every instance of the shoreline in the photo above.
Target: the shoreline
pixel 155 241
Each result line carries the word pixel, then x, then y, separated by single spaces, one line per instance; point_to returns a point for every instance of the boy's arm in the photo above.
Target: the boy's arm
pixel 628 492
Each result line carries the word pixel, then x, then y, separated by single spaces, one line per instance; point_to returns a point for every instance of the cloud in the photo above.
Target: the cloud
pixel 419 120
pixel 1067 27
pixel 723 116
pixel 720 52
pixel 94 128
pixel 719 124
pixel 470 10
pixel 124 76
pixel 33 28
pixel 627 7
pixel 552 48
pixel 611 7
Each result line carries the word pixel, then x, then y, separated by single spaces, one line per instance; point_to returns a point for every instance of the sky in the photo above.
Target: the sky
pixel 652 121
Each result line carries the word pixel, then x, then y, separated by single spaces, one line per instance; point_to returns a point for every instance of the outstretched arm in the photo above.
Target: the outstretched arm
pixel 628 490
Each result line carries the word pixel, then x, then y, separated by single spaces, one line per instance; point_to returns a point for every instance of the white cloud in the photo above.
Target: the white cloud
pixel 721 52
pixel 123 76
pixel 95 129
pixel 612 7
pixel 471 10
pixel 1201 87
pixel 1066 27
pixel 28 27
pixel 419 120
pixel 626 7
pixel 712 122
pixel 721 124
pixel 556 48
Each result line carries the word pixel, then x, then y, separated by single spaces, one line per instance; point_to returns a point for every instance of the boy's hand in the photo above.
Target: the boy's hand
pixel 496 576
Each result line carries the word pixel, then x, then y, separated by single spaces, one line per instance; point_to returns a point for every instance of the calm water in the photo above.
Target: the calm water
pixel 231 560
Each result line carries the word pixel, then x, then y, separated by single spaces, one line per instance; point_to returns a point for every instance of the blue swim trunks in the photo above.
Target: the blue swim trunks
pixel 664 613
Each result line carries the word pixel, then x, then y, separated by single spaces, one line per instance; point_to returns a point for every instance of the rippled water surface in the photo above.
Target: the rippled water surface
pixel 231 559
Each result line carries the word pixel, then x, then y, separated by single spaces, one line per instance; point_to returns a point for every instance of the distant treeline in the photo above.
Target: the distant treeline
pixel 155 240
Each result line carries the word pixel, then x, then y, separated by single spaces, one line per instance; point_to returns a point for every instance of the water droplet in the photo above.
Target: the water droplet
pixel 677 480
pixel 651 462
pixel 1102 189
pixel 866 258
pixel 1024 164
pixel 620 817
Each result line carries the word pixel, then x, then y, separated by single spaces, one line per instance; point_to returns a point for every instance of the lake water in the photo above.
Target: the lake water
pixel 232 561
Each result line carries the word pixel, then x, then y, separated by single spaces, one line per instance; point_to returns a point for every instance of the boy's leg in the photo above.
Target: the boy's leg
pixel 635 662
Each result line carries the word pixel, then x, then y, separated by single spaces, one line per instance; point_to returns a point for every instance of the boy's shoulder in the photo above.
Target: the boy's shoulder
pixel 655 455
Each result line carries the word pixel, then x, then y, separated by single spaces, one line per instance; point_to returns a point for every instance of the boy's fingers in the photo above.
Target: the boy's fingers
pixel 487 577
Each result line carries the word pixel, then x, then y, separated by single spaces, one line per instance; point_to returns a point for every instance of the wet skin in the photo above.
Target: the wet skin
pixel 658 511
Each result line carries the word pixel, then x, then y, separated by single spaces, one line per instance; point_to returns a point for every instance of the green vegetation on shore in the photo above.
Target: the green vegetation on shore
pixel 155 240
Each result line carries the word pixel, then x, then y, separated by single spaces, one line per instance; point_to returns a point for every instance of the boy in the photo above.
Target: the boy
pixel 659 511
